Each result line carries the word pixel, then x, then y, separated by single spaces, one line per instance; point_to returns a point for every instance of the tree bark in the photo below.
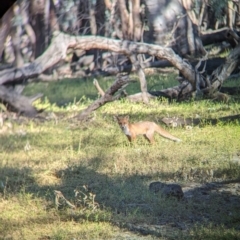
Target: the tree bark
pixel 21 104
pixel 218 36
pixel 211 65
pixel 61 42
pixel 5 26
pixel 137 23
pixel 170 25
pixel 124 19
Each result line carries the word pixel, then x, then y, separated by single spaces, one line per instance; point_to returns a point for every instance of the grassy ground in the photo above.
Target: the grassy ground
pixel 95 169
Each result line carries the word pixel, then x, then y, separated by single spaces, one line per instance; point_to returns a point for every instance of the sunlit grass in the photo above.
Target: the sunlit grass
pixel 63 154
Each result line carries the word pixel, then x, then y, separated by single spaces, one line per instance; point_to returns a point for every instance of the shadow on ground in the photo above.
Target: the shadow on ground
pixel 131 206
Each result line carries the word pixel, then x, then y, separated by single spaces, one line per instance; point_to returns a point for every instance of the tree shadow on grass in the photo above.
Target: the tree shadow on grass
pixel 132 206
pixel 124 200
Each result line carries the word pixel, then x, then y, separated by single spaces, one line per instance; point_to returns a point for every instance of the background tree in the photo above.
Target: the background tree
pixel 182 27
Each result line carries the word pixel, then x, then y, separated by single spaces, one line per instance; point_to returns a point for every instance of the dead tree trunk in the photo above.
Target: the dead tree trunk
pixel 61 42
pixel 19 103
pixel 220 35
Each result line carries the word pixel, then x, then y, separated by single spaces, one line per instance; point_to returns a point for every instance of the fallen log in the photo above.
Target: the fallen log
pixel 19 103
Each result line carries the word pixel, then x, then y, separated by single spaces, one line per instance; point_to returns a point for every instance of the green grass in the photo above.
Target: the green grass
pixel 74 90
pixel 65 155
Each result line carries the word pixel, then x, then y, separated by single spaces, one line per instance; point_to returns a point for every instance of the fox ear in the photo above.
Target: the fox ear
pixel 127 117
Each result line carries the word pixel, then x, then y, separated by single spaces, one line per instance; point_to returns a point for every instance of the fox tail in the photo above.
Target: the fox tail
pixel 166 134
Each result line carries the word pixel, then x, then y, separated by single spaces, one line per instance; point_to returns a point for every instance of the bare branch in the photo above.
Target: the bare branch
pixel 96 84
pixel 107 97
pixel 61 42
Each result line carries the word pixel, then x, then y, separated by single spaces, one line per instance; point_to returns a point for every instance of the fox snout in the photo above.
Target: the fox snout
pixel 123 127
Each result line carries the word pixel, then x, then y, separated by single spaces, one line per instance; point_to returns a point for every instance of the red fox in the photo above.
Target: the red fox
pixel 131 130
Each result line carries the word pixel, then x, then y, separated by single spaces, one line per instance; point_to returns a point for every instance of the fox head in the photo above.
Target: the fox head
pixel 123 122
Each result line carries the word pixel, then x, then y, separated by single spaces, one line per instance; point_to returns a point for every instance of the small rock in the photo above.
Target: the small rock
pixel 168 190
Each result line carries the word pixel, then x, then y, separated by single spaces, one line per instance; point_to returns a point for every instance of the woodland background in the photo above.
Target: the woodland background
pixel 66 169
pixel 50 40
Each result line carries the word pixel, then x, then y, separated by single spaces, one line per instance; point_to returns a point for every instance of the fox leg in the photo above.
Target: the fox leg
pixel 149 136
pixel 131 138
